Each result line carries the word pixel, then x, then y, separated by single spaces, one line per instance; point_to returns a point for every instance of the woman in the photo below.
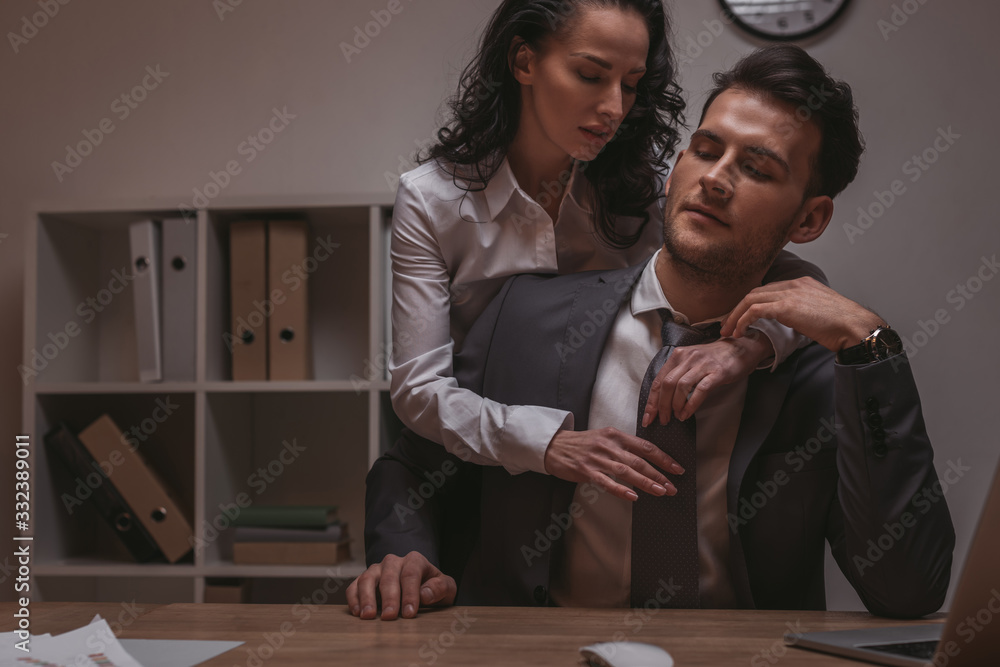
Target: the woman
pixel 553 162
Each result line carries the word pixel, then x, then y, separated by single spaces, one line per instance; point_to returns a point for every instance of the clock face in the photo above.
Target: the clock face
pixel 783 20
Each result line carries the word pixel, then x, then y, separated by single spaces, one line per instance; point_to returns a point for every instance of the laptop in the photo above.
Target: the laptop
pixel 969 636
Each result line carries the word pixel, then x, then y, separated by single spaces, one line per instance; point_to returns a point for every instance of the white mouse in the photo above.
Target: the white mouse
pixel 626 654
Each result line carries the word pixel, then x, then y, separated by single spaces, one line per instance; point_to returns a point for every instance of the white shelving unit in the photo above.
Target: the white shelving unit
pixel 223 438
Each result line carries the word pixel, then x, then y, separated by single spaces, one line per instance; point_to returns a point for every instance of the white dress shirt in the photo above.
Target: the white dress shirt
pixel 592 563
pixel 451 252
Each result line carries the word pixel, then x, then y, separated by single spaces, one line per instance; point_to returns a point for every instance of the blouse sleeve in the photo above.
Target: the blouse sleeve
pixel 425 395
pixel 787 266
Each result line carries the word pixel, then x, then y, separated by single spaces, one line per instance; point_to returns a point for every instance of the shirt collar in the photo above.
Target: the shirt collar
pixel 648 295
pixel 577 188
pixel 500 188
pixel 503 186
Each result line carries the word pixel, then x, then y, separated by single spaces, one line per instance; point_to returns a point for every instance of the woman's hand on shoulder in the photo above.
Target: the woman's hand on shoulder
pixel 692 372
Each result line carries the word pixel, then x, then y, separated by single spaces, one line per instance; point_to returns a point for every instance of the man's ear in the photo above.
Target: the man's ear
pixel 812 220
pixel 521 60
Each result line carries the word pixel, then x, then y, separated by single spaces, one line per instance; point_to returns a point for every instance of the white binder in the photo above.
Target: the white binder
pixel 144 241
pixel 179 267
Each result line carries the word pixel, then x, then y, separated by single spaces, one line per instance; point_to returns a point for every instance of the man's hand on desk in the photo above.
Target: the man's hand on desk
pixel 405 583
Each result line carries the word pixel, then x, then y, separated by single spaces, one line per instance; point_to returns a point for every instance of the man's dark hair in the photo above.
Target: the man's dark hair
pixel 786 72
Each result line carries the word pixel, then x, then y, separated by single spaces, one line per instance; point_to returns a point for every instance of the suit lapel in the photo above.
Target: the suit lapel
pixel 587 329
pixel 765 395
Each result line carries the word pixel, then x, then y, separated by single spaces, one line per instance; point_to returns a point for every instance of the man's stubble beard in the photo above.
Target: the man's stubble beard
pixel 722 263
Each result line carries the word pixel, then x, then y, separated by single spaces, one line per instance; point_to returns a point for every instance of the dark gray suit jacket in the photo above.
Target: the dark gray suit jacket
pixel 824 452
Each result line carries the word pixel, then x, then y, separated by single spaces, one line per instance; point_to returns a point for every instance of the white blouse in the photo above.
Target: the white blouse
pixel 451 252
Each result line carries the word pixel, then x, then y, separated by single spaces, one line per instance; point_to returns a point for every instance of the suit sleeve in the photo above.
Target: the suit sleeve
pixel 889 527
pixel 408 492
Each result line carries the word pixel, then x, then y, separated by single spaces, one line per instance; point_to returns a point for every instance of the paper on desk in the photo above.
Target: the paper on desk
pixel 95 645
pixel 175 652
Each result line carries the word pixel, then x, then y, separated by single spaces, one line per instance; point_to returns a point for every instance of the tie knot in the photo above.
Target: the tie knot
pixel 676 334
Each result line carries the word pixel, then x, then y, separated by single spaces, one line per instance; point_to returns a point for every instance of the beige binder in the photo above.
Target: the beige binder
pixel 247 337
pixel 288 331
pixel 138 484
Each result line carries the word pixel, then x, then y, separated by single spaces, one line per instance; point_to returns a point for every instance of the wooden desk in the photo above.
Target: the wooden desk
pixel 468 636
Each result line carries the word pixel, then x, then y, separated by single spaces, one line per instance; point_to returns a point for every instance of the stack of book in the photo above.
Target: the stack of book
pixel 290 535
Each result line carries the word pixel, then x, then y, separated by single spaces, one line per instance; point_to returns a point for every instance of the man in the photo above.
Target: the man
pixel 830 447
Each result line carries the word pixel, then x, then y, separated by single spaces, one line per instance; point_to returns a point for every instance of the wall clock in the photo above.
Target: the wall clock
pixel 783 20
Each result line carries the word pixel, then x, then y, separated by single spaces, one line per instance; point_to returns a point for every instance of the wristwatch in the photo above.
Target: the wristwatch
pixel 880 344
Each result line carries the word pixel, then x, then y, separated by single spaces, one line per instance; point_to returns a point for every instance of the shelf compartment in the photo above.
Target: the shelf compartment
pixel 85 328
pixel 163 428
pixel 338 289
pixel 284 448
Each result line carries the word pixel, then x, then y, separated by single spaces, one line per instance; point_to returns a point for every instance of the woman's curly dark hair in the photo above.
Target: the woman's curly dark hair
pixel 625 176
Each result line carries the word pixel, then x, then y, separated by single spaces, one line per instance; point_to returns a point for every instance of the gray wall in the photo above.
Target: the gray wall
pixel 356 121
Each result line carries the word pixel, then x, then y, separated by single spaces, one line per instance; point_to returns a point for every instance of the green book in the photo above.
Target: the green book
pixel 287 516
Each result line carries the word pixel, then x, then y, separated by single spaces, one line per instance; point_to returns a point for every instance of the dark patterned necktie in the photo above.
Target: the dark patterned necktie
pixel 665 529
